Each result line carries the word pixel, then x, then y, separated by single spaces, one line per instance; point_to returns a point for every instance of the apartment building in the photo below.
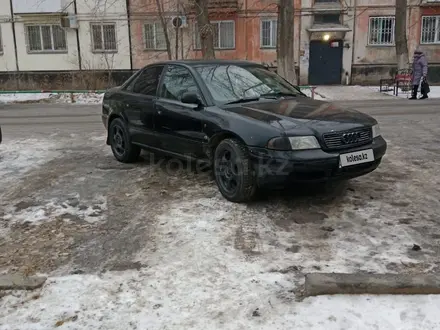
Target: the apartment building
pixel 61 35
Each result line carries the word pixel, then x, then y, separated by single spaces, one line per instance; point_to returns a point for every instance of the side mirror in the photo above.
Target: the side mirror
pixel 191 98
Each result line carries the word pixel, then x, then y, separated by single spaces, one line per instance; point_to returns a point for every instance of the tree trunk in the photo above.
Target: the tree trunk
pixel 285 58
pixel 204 29
pixel 165 29
pixel 400 35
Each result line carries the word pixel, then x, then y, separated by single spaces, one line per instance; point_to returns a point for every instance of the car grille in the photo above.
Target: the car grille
pixel 346 139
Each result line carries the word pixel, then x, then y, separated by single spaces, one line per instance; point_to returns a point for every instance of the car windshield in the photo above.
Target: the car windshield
pixel 229 83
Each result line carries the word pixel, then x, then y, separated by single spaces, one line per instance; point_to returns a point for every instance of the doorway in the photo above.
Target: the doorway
pixel 325 62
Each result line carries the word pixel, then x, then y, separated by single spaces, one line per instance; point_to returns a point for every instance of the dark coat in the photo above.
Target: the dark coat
pixel 419 68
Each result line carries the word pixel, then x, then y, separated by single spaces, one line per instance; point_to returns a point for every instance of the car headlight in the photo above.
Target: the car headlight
pixel 304 142
pixel 294 143
pixel 375 130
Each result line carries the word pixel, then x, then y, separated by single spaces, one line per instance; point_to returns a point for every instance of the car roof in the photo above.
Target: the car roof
pixel 196 62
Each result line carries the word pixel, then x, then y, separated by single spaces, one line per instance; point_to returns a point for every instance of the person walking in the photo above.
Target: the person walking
pixel 419 73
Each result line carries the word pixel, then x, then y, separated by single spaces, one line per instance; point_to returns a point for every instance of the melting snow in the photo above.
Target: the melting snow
pixel 196 278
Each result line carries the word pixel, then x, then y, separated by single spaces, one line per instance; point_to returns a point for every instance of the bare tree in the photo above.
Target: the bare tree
pixel 165 29
pixel 205 29
pixel 285 57
pixel 400 35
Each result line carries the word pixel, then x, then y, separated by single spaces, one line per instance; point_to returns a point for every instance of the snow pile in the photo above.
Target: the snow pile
pixel 80 98
pixel 24 97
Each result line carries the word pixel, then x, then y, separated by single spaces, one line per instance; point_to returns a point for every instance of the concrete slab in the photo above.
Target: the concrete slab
pixel 339 283
pixel 20 282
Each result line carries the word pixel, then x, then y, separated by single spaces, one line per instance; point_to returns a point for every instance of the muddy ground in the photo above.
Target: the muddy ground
pixel 66 206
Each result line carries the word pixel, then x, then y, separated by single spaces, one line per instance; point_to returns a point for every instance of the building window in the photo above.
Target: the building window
pixel 154 36
pixel 327 19
pixel 268 33
pixel 224 35
pixel 430 30
pixel 45 38
pixel 381 31
pixel 104 37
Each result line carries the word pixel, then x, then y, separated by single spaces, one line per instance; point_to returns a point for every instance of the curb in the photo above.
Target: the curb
pixel 340 283
pixel 20 282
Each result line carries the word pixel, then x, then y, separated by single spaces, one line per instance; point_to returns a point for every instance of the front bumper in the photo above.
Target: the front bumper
pixel 279 167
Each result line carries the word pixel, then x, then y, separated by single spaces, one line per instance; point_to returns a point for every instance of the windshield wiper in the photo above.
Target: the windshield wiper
pixel 243 100
pixel 278 94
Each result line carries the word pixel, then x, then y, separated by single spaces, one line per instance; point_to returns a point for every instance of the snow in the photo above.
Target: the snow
pixel 347 93
pixel 24 97
pixel 89 211
pixel 197 278
pixel 434 94
pixel 80 98
pixel 132 300
pixel 20 156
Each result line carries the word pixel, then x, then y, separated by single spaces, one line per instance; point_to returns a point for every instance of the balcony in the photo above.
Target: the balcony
pixel 37 6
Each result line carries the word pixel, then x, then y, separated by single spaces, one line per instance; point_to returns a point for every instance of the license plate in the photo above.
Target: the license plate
pixel 355 158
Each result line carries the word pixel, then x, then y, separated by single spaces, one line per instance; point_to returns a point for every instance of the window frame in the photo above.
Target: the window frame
pixel 155 36
pixel 436 32
pixel 370 19
pixel 45 51
pixel 92 42
pixel 218 37
pixel 274 42
pixel 196 79
pixel 130 86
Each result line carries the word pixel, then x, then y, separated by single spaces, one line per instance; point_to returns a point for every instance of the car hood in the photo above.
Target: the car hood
pixel 293 113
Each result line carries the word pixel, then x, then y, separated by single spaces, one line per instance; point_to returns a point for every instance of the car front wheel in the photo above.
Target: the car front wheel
pixel 122 148
pixel 233 171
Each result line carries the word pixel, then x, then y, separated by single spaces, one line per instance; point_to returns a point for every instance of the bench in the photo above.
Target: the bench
pixel 312 90
pixel 401 79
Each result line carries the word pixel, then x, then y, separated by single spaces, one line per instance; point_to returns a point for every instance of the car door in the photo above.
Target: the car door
pixel 179 125
pixel 139 103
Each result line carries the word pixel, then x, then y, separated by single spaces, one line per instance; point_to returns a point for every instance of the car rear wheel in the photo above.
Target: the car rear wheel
pixel 233 171
pixel 122 148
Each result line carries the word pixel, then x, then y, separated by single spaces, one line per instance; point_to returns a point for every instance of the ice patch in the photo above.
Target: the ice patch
pixel 20 156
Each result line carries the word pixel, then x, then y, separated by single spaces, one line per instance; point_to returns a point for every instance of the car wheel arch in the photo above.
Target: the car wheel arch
pixel 215 140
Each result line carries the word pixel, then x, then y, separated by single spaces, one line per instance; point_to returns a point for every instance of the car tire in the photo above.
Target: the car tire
pixel 236 180
pixel 120 142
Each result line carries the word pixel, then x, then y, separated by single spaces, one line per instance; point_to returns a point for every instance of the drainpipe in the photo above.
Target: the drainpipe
pixel 78 44
pixel 17 68
pixel 127 5
pixel 353 38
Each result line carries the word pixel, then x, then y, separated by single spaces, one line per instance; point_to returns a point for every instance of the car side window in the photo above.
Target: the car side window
pixel 177 81
pixel 147 81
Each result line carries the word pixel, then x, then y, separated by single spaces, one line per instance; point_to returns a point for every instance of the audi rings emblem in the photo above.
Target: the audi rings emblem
pixel 352 137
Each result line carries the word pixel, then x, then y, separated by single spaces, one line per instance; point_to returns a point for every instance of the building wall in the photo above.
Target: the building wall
pixel 247 32
pixel 7 58
pixel 88 11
